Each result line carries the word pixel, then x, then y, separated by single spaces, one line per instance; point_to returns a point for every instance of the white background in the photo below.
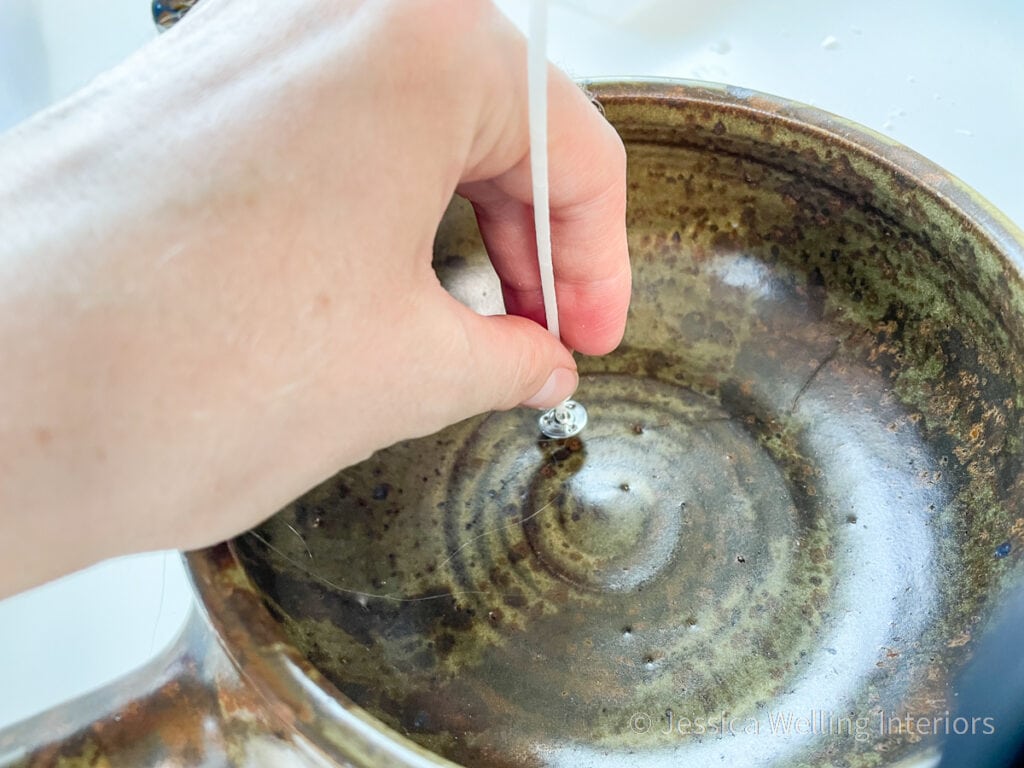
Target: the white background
pixel 943 77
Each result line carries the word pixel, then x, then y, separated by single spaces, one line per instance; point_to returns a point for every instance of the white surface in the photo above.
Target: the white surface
pixel 943 77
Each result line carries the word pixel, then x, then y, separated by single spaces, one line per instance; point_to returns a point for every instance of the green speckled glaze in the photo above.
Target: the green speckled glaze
pixel 798 469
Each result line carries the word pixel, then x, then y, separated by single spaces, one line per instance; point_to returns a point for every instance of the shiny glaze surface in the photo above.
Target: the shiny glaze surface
pixel 800 469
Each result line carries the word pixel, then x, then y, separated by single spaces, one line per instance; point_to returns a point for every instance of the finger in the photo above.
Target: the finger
pixel 588 198
pixel 504 361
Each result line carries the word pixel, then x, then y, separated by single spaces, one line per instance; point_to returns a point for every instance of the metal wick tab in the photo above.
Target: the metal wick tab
pixel 565 420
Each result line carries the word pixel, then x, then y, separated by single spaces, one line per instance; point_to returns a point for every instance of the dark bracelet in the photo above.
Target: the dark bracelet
pixel 167 13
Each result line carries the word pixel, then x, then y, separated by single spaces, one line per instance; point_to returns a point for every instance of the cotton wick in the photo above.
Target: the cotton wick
pixel 569 418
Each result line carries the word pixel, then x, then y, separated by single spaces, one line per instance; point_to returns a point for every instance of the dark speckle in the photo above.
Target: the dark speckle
pixel 740 559
pixel 1003 550
pixel 445 643
pixel 518 553
pixel 515 599
pixel 454 261
pixel 561 454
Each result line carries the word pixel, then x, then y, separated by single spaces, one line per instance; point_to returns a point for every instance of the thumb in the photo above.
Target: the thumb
pixel 515 362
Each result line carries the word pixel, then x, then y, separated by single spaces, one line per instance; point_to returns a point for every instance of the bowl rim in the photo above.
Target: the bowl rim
pixel 884 151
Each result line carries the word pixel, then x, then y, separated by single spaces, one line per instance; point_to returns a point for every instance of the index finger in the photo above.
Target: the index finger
pixel 587 179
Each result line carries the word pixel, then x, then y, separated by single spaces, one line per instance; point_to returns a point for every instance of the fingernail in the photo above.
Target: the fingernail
pixel 560 384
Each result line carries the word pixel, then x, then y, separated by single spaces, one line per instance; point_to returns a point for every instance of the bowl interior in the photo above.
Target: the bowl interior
pixel 794 507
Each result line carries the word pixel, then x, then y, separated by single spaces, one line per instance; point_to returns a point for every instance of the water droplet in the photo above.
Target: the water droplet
pixel 1003 550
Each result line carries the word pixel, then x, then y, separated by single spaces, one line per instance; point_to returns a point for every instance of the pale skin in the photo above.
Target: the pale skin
pixel 216 276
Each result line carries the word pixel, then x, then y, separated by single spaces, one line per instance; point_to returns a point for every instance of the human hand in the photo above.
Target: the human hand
pixel 220 288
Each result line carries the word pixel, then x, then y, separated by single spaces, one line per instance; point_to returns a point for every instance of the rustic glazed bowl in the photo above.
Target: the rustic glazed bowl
pixel 794 511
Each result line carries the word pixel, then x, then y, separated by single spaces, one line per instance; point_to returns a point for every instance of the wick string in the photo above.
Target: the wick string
pixel 537 90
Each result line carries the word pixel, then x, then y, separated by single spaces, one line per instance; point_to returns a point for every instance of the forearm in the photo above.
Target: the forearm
pixel 85 240
pixel 129 330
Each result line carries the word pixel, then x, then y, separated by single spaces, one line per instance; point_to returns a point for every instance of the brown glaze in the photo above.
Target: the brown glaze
pixel 188 706
pixel 797 494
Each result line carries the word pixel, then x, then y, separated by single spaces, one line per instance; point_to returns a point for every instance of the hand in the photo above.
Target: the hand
pixel 217 260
